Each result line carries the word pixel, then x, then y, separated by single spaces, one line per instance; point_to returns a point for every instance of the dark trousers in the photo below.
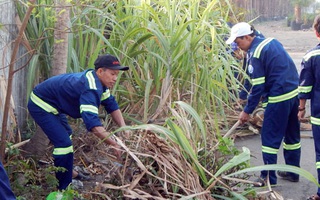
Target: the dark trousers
pixel 316 139
pixel 58 131
pixel 281 124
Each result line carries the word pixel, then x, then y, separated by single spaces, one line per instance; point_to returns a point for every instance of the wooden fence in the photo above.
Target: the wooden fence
pixel 264 9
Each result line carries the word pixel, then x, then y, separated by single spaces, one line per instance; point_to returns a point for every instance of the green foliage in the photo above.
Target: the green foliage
pixel 288 168
pixel 11 150
pixel 171 47
pixel 68 194
pixel 28 180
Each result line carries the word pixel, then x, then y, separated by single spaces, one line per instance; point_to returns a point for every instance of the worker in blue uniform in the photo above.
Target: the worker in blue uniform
pixel 237 53
pixel 77 95
pixel 243 94
pixel 274 76
pixel 5 189
pixel 309 88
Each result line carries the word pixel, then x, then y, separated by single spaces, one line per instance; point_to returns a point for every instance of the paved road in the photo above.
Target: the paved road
pixel 304 188
pixel 289 190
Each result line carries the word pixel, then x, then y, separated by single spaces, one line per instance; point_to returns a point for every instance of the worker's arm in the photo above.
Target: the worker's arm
pixel 118 119
pixel 302 108
pixel 101 133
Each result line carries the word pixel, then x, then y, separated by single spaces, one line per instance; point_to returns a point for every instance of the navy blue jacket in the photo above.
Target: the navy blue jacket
pixel 309 87
pixel 272 71
pixel 78 95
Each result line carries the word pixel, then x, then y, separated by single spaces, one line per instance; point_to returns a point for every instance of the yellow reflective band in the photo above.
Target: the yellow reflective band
pixel 258 50
pixel 264 104
pixel 63 151
pixel 318 165
pixel 283 97
pixel 269 150
pixel 105 95
pixel 305 89
pixel 258 81
pixel 311 54
pixel 89 108
pixel 291 146
pixel 315 121
pixel 91 80
pixel 42 104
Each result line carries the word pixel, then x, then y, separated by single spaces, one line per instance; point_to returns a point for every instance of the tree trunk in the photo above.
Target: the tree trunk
pixel 60 48
pixel 297 13
pixel 39 142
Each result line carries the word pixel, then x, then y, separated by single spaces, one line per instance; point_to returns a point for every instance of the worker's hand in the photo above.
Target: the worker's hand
pixel 117 150
pixel 238 54
pixel 301 114
pixel 243 117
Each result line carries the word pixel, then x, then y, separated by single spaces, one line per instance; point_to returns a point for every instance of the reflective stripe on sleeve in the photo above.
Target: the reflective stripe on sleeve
pixel 291 146
pixel 264 104
pixel 269 150
pixel 89 108
pixel 105 95
pixel 258 81
pixel 315 121
pixel 42 104
pixel 283 97
pixel 305 89
pixel 318 165
pixel 63 151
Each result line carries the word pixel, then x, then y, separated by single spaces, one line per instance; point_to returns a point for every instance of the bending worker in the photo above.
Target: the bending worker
pixel 275 77
pixel 77 95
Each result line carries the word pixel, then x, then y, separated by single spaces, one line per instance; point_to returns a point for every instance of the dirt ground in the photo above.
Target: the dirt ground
pixel 293 41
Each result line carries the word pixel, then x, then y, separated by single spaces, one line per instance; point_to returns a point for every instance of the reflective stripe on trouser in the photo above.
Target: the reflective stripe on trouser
pixel 316 138
pixel 58 131
pixel 281 124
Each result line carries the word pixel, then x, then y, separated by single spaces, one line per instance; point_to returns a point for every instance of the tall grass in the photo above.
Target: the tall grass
pixel 171 47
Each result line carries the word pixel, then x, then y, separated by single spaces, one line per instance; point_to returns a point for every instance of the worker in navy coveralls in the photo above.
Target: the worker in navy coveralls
pixel 274 76
pixel 5 190
pixel 77 95
pixel 236 52
pixel 309 88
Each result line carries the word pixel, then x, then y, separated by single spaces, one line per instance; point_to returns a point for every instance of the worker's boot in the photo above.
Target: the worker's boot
pixel 288 176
